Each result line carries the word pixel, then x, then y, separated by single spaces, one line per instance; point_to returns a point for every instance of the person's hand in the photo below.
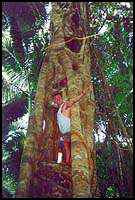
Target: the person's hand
pixel 54 105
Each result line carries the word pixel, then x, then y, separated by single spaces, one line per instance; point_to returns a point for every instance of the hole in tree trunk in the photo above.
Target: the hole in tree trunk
pixel 74 45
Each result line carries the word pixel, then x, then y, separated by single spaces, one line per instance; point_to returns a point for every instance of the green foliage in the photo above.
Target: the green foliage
pixel 23 70
pixel 115 59
pixel 111 192
pixel 106 172
pixel 22 29
pixel 11 156
pixel 8 187
pixel 12 149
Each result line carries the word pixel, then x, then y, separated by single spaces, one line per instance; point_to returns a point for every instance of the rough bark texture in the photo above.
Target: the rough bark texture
pixel 66 67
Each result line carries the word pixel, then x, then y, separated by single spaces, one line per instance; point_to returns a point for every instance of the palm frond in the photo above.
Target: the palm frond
pixel 21 29
pixel 22 76
pixel 10 88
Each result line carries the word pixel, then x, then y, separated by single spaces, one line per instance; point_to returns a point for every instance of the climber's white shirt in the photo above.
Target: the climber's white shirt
pixel 63 122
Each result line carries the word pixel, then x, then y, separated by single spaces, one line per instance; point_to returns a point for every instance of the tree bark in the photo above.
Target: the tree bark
pixel 66 68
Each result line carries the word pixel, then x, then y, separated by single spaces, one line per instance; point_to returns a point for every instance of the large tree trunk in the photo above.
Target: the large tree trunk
pixel 66 67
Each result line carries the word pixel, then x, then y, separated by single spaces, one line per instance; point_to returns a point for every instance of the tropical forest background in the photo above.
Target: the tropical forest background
pixel 25 38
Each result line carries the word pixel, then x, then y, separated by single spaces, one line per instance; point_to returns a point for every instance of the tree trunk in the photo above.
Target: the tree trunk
pixel 66 68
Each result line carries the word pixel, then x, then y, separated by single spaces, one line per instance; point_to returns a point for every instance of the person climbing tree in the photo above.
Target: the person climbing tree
pixel 63 120
pixel 68 55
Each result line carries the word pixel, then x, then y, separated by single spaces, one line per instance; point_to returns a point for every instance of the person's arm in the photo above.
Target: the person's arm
pixel 76 99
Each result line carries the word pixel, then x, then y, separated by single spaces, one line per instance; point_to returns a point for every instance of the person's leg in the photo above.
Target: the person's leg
pixel 67 146
pixel 60 150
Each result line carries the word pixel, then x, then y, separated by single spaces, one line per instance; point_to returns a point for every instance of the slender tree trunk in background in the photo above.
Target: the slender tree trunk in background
pixel 66 67
pixel 29 99
pixel 114 127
